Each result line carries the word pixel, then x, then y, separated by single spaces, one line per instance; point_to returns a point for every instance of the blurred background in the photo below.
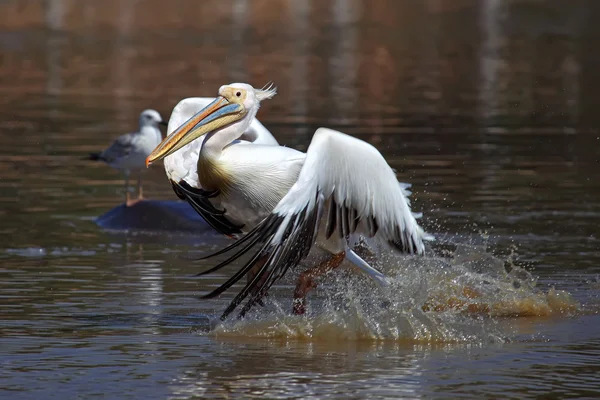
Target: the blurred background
pixel 440 77
pixel 434 64
pixel 489 108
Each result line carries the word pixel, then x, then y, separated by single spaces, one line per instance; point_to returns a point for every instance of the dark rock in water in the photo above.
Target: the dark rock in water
pixel 154 215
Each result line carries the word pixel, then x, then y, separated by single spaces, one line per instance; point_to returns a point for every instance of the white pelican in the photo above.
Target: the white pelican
pixel 295 206
pixel 181 166
pixel 128 152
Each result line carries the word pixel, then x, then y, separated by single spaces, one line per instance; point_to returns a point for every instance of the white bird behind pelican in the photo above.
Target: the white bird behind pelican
pixel 295 207
pixel 129 151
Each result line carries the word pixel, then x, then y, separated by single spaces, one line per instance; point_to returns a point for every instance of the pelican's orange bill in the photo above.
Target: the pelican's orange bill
pixel 177 139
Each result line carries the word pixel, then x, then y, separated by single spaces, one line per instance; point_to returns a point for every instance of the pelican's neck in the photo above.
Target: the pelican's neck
pixel 216 141
pixel 212 173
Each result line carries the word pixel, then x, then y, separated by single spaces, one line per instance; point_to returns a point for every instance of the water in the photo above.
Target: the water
pixel 488 108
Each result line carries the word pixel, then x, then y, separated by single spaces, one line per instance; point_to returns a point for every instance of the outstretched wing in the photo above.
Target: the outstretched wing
pixel 348 182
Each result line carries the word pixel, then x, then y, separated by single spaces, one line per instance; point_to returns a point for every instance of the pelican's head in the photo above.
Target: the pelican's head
pixel 233 109
pixel 151 118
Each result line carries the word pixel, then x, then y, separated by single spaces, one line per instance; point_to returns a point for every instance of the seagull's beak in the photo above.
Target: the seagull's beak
pixel 214 116
pixel 163 123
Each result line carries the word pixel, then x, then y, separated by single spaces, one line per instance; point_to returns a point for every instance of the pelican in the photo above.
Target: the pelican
pixel 129 151
pixel 181 165
pixel 294 207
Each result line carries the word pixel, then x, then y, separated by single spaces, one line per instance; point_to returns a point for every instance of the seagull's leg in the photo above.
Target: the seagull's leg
pixel 128 201
pixel 139 187
pixel 127 187
pixel 306 280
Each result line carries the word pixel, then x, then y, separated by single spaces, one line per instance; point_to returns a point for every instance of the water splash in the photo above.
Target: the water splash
pixel 457 299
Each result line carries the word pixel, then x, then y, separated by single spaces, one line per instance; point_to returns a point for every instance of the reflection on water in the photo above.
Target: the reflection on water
pixel 473 63
pixel 473 102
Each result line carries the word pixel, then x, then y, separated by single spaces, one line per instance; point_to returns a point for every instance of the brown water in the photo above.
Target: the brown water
pixel 488 108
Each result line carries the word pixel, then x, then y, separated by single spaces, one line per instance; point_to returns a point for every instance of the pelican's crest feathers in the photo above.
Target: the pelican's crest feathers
pixel 267 92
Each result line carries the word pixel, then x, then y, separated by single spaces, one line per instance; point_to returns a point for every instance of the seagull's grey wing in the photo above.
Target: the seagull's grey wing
pixel 120 148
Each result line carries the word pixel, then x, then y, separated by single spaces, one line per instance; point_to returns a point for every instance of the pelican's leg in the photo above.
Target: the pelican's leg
pixel 306 280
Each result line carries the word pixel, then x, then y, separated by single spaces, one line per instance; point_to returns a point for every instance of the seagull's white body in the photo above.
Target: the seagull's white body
pixel 296 206
pixel 129 151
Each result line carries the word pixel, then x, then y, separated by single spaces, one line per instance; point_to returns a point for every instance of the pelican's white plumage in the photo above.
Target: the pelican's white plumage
pixel 296 207
pixel 353 174
pixel 181 165
pixel 129 151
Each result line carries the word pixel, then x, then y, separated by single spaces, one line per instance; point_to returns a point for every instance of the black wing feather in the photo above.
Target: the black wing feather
pixel 248 288
pixel 287 252
pixel 199 200
pixel 295 249
pixel 299 233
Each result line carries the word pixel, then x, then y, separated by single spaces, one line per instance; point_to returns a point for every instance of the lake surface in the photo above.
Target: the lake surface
pixel 488 108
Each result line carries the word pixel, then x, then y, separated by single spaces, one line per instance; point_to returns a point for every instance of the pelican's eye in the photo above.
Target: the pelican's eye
pixel 238 94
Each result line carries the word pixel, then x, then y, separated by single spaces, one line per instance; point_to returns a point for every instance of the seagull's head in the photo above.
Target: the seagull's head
pixel 151 118
pixel 234 109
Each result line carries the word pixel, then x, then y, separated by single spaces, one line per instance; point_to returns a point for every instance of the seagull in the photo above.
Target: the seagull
pixel 293 207
pixel 129 151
